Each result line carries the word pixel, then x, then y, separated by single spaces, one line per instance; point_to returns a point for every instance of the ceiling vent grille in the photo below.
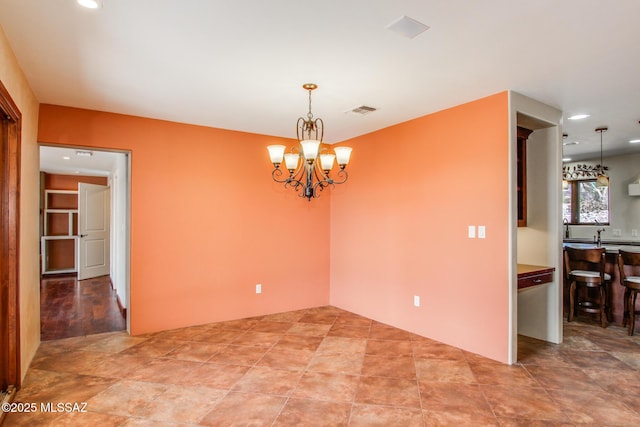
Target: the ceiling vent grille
pixel 363 109
pixel 407 27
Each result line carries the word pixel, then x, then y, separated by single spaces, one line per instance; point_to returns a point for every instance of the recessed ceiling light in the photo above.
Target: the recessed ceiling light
pixel 407 27
pixel 634 141
pixel 566 159
pixel 90 4
pixel 66 158
pixel 578 116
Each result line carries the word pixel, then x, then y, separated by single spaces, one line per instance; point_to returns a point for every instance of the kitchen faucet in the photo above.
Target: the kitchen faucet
pixel 566 228
pixel 598 239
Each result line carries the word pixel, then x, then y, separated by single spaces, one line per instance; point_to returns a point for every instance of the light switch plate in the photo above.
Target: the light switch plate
pixel 472 231
pixel 482 232
pixel 416 300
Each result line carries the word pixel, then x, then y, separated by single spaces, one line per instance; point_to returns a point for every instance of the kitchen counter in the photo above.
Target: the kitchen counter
pixel 604 241
pixel 610 246
pixel 534 275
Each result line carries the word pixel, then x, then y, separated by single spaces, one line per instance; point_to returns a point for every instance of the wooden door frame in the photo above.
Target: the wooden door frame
pixel 10 128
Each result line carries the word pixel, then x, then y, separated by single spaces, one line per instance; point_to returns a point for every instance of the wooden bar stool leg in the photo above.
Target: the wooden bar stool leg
pixel 572 296
pixel 603 307
pixel 609 302
pixel 632 310
pixel 625 316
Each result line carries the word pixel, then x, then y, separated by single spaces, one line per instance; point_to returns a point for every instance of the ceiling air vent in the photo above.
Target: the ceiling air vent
pixel 407 27
pixel 363 109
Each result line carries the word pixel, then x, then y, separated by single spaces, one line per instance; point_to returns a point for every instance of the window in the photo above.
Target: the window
pixel 584 203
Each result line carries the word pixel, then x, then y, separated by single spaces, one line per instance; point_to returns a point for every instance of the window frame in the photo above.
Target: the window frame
pixel 575 203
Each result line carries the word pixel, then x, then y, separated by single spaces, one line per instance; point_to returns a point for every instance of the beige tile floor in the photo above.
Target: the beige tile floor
pixel 325 366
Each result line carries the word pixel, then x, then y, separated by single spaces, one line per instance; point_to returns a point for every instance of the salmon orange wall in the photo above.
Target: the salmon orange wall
pixel 399 227
pixel 207 221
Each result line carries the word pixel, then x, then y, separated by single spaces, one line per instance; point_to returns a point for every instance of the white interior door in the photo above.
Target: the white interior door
pixel 93 230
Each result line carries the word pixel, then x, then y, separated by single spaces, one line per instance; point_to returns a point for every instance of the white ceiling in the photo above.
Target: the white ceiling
pixel 240 64
pixel 68 161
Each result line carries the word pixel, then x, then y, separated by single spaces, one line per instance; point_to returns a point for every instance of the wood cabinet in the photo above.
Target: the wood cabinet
pixel 523 134
pixel 534 275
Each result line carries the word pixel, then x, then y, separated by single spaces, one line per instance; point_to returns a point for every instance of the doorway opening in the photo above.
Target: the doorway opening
pixel 84 250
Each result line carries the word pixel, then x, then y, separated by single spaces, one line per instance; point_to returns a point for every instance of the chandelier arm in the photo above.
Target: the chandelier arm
pixel 342 173
pixel 300 128
pixel 320 186
pixel 298 172
pixel 295 180
pixel 319 128
pixel 277 172
pixel 319 173
pixel 322 181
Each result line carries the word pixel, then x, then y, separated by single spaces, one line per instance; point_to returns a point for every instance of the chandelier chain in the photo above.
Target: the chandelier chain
pixel 310 114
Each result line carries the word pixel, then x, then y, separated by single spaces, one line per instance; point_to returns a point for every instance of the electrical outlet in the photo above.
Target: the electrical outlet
pixel 617 232
pixel 472 231
pixel 634 232
pixel 258 288
pixel 416 300
pixel 482 232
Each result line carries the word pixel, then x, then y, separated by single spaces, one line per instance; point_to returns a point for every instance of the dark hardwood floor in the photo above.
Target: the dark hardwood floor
pixel 71 308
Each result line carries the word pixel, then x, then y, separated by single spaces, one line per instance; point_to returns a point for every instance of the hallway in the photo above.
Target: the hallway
pixel 72 308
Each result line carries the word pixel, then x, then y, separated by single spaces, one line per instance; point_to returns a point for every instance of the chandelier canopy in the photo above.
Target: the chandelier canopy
pixel 307 174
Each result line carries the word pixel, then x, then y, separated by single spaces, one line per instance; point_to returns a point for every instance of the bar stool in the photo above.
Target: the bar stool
pixel 584 269
pixel 629 266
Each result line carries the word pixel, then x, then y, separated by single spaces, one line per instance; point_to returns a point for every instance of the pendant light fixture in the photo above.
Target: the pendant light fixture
pixel 308 164
pixel 565 181
pixel 602 180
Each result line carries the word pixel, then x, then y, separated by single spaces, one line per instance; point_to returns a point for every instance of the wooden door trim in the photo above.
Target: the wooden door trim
pixel 11 124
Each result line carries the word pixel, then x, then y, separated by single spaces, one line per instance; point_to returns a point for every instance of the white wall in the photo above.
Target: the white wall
pixel 538 242
pixel 542 239
pixel 118 181
pixel 624 210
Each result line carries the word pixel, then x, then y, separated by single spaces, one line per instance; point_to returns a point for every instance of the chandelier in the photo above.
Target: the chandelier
pixel 308 164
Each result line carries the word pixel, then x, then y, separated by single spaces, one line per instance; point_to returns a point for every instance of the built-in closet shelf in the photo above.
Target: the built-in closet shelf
pixel 49 245
pixel 60 230
pixel 61 210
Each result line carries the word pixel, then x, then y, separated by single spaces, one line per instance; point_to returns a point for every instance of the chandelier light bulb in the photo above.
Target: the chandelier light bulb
pixel 310 149
pixel 343 154
pixel 602 181
pixel 276 152
pixel 326 161
pixel 291 161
